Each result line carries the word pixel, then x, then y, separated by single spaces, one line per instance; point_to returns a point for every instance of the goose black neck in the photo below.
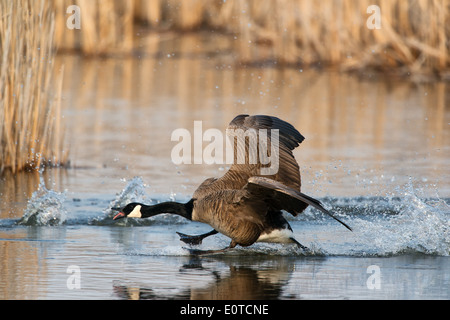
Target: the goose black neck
pixel 182 209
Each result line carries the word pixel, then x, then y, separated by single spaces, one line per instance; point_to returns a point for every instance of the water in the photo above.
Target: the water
pixel 405 237
pixel 376 154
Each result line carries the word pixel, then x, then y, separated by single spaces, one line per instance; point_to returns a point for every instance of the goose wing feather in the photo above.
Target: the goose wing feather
pixel 282 197
pixel 289 138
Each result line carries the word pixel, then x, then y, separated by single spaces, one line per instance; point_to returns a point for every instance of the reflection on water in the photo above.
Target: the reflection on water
pixel 109 271
pixel 364 137
pixel 249 279
pixel 289 278
pixel 121 114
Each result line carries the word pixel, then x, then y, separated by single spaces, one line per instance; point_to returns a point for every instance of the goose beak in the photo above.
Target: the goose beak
pixel 120 215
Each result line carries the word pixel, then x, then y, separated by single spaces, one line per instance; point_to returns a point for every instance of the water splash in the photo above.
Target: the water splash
pixel 134 191
pixel 421 226
pixel 45 208
pixel 400 223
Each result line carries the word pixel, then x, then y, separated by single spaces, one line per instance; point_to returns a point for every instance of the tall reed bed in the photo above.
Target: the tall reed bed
pixel 107 26
pixel 30 119
pixel 414 35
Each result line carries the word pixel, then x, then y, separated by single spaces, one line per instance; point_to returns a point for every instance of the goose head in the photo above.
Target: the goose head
pixel 131 210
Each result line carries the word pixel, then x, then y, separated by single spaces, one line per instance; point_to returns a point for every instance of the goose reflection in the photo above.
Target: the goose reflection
pixel 256 278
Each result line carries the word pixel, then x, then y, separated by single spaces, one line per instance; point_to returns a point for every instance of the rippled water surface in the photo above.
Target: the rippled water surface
pixel 376 153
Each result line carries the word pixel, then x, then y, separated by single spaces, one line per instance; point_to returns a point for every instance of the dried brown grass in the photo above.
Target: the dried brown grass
pixel 414 35
pixel 107 26
pixel 30 118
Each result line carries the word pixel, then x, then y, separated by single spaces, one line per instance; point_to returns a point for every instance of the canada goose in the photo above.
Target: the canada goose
pixel 243 204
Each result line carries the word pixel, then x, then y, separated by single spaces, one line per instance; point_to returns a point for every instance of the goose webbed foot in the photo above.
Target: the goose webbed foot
pixel 197 252
pixel 195 240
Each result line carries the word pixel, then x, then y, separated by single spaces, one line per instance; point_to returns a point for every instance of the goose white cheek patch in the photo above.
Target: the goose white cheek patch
pixel 136 213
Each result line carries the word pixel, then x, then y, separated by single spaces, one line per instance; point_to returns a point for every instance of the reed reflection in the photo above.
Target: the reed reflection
pixel 364 128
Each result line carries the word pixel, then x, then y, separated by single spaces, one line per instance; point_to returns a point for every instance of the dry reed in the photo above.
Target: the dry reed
pixel 107 26
pixel 30 129
pixel 414 35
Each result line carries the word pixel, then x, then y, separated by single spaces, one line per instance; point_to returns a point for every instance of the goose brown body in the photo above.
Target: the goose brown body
pixel 223 210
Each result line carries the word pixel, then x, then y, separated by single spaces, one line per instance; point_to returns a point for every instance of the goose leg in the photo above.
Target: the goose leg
pixel 197 252
pixel 300 245
pixel 195 239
